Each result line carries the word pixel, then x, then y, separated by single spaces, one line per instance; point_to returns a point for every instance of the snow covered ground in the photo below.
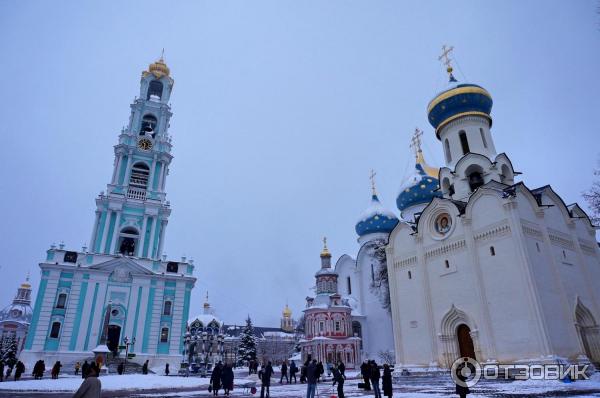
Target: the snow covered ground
pixel 408 387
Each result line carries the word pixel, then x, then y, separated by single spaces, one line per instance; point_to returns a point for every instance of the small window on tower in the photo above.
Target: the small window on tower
pixel 164 335
pixel 537 246
pixel 55 330
pixel 349 285
pixel 492 251
pixel 167 309
pixel 464 142
pixel 483 137
pixel 61 301
pixel 446 263
pixel 409 275
pixel 70 257
pixel 172 267
pixel 148 125
pixel 447 150
pixel 155 90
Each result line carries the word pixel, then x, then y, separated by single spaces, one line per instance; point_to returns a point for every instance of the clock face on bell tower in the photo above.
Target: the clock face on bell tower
pixel 145 144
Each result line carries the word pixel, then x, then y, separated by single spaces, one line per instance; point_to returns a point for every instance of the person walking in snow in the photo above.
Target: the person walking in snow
pixel 386 381
pixel 342 369
pixel 312 376
pixel 215 379
pixel 91 386
pixel 120 368
pixel 374 376
pixel 284 373
pixel 20 369
pixel 145 367
pixel 320 369
pixel 365 373
pixel 166 369
pixel 84 369
pixel 265 379
pixel 227 379
pixel 77 367
pixel 56 369
pixel 339 380
pixel 293 371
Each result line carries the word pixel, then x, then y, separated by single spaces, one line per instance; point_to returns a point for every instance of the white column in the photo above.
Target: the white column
pixel 163 176
pixel 140 247
pixel 115 234
pixel 161 239
pixel 105 232
pixel 128 171
pixel 152 233
pixel 94 232
pixel 117 167
pixel 151 179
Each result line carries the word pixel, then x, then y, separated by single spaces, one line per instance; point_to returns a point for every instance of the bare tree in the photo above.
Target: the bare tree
pixel 380 285
pixel 592 197
pixel 387 356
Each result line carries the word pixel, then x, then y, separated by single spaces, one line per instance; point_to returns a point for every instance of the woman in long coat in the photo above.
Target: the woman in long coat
pixel 386 381
pixel 227 378
pixel 215 379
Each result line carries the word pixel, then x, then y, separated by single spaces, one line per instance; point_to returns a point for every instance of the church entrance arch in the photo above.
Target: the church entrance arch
pixel 113 337
pixel 589 332
pixel 465 342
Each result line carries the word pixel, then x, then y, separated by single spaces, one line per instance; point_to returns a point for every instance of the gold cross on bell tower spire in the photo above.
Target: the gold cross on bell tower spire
pixel 372 178
pixel 445 59
pixel 416 141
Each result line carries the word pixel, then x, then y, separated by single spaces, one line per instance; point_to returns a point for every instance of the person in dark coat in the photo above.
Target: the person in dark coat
pixel 265 379
pixel 215 379
pixel 145 367
pixel 121 368
pixel 339 379
pixel 227 379
pixel 1 371
pixel 284 373
pixel 312 376
pixel 462 389
pixel 375 375
pixel 166 369
pixel 85 369
pixel 19 370
pixel 56 369
pixel 320 369
pixel 386 381
pixel 365 373
pixel 293 371
pixel 342 369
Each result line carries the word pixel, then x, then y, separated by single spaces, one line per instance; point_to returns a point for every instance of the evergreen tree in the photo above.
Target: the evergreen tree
pixel 247 347
pixel 9 351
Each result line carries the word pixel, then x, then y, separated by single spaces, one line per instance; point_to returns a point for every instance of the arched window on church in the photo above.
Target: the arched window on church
pixel 55 330
pixel 492 251
pixel 447 151
pixel 446 263
pixel 148 126
pixel 164 335
pixel 167 308
pixel 507 176
pixel 128 240
pixel 349 284
pixel 61 302
pixel 155 90
pixel 475 177
pixel 409 275
pixel 483 137
pixel 464 142
pixel 138 181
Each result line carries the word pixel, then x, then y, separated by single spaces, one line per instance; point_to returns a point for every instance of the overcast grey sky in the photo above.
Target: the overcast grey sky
pixel 281 108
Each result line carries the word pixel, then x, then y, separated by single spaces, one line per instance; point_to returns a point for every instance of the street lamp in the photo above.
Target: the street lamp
pixel 127 344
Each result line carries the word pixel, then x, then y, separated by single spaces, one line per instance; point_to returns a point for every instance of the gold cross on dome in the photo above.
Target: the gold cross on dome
pixel 445 57
pixel 372 178
pixel 416 141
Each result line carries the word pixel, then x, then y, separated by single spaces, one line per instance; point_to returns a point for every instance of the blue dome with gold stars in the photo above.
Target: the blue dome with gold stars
pixel 457 101
pixel 419 188
pixel 376 219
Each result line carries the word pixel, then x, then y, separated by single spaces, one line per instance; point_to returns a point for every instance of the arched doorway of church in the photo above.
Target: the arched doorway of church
pixel 113 337
pixel 465 342
pixel 589 332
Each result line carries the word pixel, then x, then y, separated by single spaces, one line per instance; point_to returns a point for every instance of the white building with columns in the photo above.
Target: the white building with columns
pixel 121 287
pixel 492 269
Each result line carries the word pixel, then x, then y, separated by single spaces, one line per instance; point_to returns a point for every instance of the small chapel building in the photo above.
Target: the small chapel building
pixel 490 268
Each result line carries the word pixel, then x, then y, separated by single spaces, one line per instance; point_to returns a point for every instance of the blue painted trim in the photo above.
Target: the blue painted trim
pixel 123 169
pixel 101 223
pixel 156 176
pixel 36 314
pixel 148 320
pixel 186 315
pixel 149 225
pixel 156 238
pixel 77 321
pixel 111 230
pixel 92 312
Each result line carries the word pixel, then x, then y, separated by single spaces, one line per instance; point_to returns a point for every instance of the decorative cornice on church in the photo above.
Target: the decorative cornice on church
pixel 462 120
pixel 405 262
pixel 587 247
pixel 561 239
pixel 532 230
pixel 459 244
pixel 500 229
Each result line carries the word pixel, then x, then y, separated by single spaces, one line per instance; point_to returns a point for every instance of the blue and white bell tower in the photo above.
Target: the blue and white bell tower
pixel 131 217
pixel 121 289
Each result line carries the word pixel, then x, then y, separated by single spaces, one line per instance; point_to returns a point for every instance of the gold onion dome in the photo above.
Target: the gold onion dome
pixel 159 68
pixel 287 312
pixel 325 251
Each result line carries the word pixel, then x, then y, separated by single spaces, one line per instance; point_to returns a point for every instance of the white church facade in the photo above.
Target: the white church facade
pixel 489 268
pixel 121 288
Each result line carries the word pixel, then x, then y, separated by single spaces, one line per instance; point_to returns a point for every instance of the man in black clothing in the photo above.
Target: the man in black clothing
pixel 339 379
pixel 265 379
pixel 365 373
pixel 293 370
pixel 375 375
pixel 85 368
pixel 284 369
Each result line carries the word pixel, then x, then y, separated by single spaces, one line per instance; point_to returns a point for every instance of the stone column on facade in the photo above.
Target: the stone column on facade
pixel 163 180
pixel 486 319
pixel 140 249
pixel 151 177
pixel 153 222
pixel 422 261
pixel 105 232
pixel 128 171
pixel 161 238
pixel 396 329
pixel 115 234
pixel 531 289
pixel 94 232
pixel 117 166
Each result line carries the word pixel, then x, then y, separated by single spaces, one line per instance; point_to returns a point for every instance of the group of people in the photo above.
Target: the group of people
pixel 221 377
pixel 371 374
pixel 19 370
pixel 292 370
pixel 91 386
